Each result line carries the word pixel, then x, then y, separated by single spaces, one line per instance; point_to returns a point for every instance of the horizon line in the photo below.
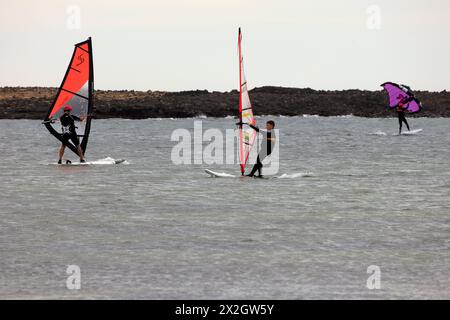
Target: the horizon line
pixel 226 91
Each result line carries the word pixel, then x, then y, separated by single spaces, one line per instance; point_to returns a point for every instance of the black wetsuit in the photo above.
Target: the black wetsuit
pixel 266 150
pixel 68 129
pixel 401 117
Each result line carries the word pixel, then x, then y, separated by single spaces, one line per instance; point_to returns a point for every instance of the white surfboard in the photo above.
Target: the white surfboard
pixel 218 174
pixel 227 175
pixel 105 161
pixel 283 176
pixel 409 133
pixel 412 132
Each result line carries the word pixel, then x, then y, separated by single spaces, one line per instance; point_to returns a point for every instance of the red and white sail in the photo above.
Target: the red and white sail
pixel 247 135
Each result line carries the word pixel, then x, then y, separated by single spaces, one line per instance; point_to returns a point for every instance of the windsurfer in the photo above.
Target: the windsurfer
pixel 267 145
pixel 402 99
pixel 401 115
pixel 69 133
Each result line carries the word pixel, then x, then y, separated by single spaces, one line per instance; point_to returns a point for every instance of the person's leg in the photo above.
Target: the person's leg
pixel 80 153
pixel 61 152
pixel 256 167
pixel 406 122
pixel 259 163
pixel 76 142
pixel 400 123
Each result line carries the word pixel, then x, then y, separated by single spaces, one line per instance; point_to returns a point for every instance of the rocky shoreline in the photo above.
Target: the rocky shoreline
pixel 33 103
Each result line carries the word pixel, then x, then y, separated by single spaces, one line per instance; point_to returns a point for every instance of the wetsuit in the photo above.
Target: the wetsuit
pixel 68 129
pixel 266 149
pixel 401 116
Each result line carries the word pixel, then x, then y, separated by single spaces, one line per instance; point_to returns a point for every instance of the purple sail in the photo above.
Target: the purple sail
pixel 401 93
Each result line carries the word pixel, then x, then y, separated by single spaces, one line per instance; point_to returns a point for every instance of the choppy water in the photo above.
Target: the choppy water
pixel 150 229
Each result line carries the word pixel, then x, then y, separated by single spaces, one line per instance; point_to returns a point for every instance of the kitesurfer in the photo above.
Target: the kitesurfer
pixel 401 115
pixel 267 145
pixel 69 132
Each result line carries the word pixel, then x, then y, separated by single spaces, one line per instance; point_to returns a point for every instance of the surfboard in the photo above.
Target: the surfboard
pixel 283 176
pixel 408 133
pixel 412 132
pixel 227 175
pixel 219 174
pixel 105 161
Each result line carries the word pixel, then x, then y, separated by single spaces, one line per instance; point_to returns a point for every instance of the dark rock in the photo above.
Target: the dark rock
pixel 33 103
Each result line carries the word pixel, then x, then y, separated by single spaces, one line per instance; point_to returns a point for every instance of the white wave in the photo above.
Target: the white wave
pixel 345 116
pixel 310 116
pixel 379 133
pixel 295 175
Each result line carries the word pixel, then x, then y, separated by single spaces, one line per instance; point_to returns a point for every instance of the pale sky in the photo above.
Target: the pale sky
pixel 184 45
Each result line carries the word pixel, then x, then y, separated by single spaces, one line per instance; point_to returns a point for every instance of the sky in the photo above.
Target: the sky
pixel 175 45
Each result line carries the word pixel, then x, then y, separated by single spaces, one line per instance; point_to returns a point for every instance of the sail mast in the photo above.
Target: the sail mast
pixel 246 134
pixel 240 100
pixel 87 129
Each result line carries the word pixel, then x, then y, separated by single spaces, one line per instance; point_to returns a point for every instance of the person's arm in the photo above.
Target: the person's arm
pixel 403 104
pixel 77 118
pixel 51 120
pixel 253 127
pixel 85 117
pixel 270 136
pixel 249 124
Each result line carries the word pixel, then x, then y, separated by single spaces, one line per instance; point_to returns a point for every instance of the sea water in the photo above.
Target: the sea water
pixel 353 197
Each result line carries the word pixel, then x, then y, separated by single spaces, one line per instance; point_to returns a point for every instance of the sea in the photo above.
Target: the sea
pixel 354 211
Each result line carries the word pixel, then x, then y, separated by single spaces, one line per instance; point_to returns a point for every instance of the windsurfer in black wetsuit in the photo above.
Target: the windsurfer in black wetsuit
pixel 69 133
pixel 401 115
pixel 266 146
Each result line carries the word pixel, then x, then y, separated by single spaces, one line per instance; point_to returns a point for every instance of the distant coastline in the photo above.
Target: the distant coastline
pixel 33 103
